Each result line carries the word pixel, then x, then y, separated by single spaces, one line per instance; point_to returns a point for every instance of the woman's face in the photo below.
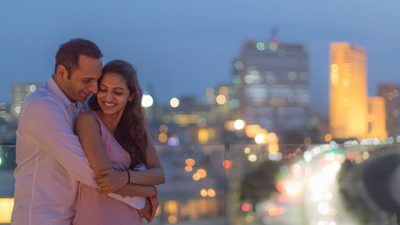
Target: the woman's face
pixel 113 94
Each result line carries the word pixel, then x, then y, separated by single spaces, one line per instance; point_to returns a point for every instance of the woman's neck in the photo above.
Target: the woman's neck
pixel 111 121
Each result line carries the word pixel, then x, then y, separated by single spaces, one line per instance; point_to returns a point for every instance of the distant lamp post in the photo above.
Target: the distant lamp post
pixel 174 102
pixel 147 101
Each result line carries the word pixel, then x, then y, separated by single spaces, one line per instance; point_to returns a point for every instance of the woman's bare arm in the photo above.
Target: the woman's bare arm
pixel 154 175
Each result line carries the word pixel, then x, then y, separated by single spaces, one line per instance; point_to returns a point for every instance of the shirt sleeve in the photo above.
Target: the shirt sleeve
pixel 44 121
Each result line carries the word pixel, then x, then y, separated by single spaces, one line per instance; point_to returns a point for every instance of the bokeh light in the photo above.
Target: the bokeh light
pixel 174 102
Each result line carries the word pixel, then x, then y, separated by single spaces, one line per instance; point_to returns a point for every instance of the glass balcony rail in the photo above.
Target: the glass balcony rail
pixel 328 184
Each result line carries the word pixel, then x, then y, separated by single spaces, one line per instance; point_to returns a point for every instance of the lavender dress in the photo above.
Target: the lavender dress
pixel 94 208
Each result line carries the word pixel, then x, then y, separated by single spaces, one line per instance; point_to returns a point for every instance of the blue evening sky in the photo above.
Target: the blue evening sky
pixel 182 47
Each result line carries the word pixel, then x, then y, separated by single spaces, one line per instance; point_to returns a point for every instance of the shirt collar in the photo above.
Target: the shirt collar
pixel 53 87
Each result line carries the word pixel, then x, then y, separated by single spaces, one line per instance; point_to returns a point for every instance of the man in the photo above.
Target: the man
pixel 50 157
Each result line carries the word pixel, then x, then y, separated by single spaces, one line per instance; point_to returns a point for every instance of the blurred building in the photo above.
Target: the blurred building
pixel 19 91
pixel 272 86
pixel 376 117
pixel 348 100
pixel 390 93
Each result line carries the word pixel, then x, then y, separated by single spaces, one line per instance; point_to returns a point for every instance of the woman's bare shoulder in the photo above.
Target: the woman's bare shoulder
pixel 87 119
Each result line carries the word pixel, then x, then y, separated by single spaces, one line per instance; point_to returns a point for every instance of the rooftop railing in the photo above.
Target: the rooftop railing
pixel 328 184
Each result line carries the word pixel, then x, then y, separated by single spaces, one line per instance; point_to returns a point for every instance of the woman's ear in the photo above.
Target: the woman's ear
pixel 130 98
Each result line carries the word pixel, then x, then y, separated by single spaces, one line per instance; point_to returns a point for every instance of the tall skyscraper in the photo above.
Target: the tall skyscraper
pixel 390 93
pixel 376 117
pixel 348 100
pixel 272 86
pixel 19 91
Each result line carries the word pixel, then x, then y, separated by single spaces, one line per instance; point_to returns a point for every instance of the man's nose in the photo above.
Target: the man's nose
pixel 93 88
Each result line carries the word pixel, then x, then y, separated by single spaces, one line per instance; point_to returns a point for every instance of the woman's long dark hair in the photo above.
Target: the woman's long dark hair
pixel 131 132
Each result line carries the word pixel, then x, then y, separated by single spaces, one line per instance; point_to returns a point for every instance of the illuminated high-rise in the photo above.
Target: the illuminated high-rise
pixel 348 100
pixel 376 117
pixel 19 91
pixel 271 80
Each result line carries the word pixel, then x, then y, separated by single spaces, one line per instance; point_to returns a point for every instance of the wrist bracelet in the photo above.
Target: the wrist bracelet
pixel 155 195
pixel 129 177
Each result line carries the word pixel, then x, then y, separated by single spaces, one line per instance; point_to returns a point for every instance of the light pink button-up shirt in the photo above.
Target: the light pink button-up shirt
pixel 50 160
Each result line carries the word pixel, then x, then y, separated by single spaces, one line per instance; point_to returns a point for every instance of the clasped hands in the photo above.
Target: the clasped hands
pixel 110 181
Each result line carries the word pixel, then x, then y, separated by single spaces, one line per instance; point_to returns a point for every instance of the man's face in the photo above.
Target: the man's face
pixel 83 80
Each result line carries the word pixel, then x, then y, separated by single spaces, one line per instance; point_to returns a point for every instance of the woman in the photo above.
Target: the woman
pixel 114 137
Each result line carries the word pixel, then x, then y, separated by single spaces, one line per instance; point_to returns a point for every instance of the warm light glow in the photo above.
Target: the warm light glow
pixel 272 138
pixel 227 164
pixel 307 141
pixel 174 102
pixel 223 90
pixel 203 136
pixel 202 173
pixel 273 148
pixel 196 177
pixel 162 138
pixel 239 124
pixel 6 207
pixel 190 162
pixel 188 168
pixel 247 150
pixel 147 101
pixel 229 125
pixel 172 219
pixel 328 137
pixel 252 158
pixel 221 99
pixel 203 192
pixel 246 207
pixel 261 137
pixel 252 130
pixel 211 192
pixel 377 113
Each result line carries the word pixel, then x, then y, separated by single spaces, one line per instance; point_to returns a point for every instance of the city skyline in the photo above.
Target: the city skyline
pixel 181 52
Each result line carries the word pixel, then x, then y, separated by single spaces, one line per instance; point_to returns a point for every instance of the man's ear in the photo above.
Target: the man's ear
pixel 62 73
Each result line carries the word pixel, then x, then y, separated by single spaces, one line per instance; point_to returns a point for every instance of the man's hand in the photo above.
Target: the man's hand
pixel 109 181
pixel 146 211
pixel 154 205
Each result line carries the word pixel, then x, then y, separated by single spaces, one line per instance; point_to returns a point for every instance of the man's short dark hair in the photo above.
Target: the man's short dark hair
pixel 69 52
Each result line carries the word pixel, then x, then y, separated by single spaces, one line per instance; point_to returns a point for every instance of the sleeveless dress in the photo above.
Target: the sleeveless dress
pixel 94 208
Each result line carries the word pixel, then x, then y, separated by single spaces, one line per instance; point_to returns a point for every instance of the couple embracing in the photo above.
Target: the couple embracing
pixel 85 164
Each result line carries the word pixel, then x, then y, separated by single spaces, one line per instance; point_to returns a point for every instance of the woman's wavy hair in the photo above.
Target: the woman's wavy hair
pixel 131 131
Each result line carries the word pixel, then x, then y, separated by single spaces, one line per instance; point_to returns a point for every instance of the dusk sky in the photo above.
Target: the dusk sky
pixel 182 47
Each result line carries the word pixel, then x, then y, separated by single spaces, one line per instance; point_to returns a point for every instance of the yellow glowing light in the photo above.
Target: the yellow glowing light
pixel 196 176
pixel 365 155
pixel 6 206
pixel 190 162
pixel 328 137
pixel 273 148
pixel 252 130
pixel 334 67
pixel 202 173
pixel 203 192
pixel 203 135
pixel 260 139
pixel 252 158
pixel 239 124
pixel 163 128
pixel 162 138
pixel 307 140
pixel 247 150
pixel 172 219
pixel 221 99
pixel 223 90
pixel 174 102
pixel 229 125
pixel 188 168
pixel 211 192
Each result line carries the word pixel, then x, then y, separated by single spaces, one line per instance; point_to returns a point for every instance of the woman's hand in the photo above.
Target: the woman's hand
pixel 109 181
pixel 154 205
pixel 146 211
